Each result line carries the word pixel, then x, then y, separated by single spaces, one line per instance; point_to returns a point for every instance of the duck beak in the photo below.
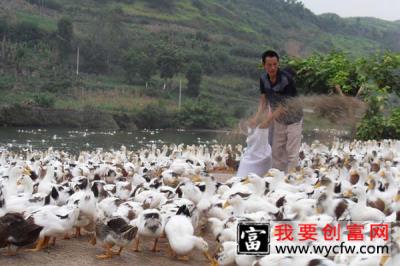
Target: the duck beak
pixel 397 198
pixel 226 204
pixel 383 260
pixel 382 174
pixel 27 171
pixel 196 178
pixel 318 184
pixel 370 186
pixel 348 194
pixel 245 180
pixel 175 183
pixel 318 210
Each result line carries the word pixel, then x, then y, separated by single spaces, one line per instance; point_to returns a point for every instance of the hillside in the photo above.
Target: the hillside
pixel 129 49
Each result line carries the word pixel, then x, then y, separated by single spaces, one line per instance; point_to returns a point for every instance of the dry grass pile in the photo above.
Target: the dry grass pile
pixel 337 109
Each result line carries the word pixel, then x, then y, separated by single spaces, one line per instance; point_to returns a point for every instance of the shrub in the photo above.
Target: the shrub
pixel 154 115
pixel 44 100
pixel 201 114
pixel 380 127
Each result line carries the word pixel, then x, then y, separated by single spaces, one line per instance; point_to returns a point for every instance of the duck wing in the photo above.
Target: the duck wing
pixel 3 234
pixel 24 233
pixel 121 227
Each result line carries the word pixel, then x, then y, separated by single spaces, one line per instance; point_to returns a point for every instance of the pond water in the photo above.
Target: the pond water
pixel 73 140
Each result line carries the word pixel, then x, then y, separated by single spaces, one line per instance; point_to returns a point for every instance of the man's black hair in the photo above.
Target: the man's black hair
pixel 269 53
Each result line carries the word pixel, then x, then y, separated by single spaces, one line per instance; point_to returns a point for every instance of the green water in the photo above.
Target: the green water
pixel 73 140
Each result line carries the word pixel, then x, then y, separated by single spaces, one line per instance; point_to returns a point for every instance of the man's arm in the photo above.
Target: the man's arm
pixel 262 106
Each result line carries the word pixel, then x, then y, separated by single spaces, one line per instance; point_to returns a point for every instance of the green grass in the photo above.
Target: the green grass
pixel 141 9
pixel 45 23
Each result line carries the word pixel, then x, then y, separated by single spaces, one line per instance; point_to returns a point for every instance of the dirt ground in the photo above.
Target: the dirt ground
pixel 80 252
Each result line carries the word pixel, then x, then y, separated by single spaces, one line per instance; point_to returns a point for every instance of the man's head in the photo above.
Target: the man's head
pixel 270 61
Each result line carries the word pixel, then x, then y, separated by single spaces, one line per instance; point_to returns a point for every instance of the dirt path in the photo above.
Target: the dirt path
pixel 80 252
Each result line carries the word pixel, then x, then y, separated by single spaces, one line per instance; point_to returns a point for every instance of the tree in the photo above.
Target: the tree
pixel 65 35
pixel 193 75
pixel 107 33
pixel 140 65
pixel 169 63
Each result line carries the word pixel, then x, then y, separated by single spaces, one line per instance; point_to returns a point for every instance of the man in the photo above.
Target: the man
pixel 276 88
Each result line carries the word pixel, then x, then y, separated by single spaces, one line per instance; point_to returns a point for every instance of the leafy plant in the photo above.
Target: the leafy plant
pixel 44 100
pixel 201 114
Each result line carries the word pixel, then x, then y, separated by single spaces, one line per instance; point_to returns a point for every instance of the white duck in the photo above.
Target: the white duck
pixel 179 231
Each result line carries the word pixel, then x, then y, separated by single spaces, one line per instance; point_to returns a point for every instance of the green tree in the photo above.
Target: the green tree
pixel 169 63
pixel 107 33
pixel 140 65
pixel 65 35
pixel 194 75
pixel 201 114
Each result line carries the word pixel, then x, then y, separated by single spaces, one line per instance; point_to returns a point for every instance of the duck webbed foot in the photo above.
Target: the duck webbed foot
pixel 77 232
pixel 213 261
pixel 93 239
pixel 136 245
pixel 10 252
pixel 42 243
pixel 155 249
pixel 108 254
pixel 183 258
pixel 119 251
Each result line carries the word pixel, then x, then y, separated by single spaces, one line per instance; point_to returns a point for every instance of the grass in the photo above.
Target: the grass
pixel 107 100
pixel 42 22
pixel 141 9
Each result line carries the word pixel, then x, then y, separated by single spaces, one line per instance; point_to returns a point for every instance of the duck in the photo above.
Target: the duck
pixel 360 211
pixel 55 221
pixel 86 200
pixel 114 232
pixel 180 234
pixel 150 224
pixel 326 203
pixel 16 231
pixel 226 255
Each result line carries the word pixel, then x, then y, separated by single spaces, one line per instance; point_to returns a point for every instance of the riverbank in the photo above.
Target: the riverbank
pixel 90 118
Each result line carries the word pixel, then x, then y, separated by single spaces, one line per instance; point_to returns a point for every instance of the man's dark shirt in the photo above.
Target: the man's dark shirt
pixel 278 93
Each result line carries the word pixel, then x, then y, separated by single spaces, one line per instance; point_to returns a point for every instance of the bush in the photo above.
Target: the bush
pixel 201 114
pixel 27 32
pixel 154 115
pixel 194 75
pixel 380 127
pixel 44 100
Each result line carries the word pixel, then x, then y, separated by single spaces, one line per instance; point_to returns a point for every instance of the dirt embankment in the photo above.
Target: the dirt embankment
pixel 43 117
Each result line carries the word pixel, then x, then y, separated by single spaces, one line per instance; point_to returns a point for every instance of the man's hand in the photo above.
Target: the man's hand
pixel 280 111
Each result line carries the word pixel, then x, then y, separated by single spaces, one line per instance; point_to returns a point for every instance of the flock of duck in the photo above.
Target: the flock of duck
pixel 121 197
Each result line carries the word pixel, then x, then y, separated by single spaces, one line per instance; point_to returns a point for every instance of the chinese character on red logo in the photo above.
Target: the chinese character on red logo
pixel 308 232
pixel 331 232
pixel 283 232
pixel 379 231
pixel 355 232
